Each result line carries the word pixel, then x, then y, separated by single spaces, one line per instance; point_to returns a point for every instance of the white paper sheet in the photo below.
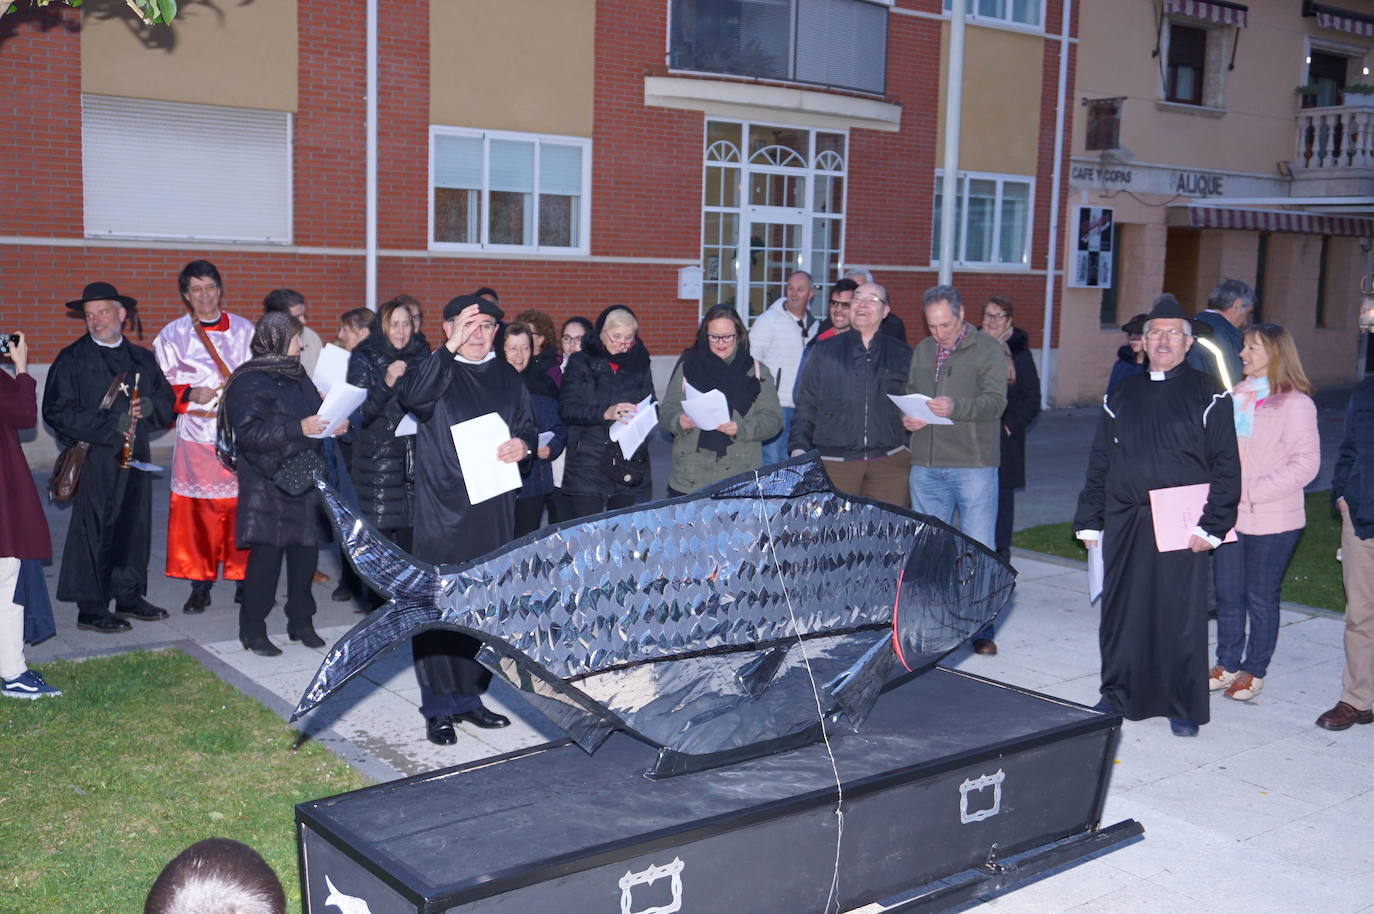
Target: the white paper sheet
pixel 708 410
pixel 545 439
pixel 144 466
pixel 632 434
pixel 917 406
pixel 1096 572
pixel 338 405
pixel 331 368
pixel 407 426
pixel 475 442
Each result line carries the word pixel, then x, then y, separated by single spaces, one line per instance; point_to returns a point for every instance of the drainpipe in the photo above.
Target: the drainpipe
pixel 954 103
pixel 370 241
pixel 1056 181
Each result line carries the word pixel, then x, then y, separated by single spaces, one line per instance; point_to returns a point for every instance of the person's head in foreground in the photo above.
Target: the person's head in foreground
pixel 216 876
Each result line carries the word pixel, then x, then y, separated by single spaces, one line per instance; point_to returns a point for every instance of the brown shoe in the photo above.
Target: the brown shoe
pixel 1343 716
pixel 320 578
pixel 984 646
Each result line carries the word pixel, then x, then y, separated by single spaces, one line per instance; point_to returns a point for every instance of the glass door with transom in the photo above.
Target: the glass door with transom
pixel 773 204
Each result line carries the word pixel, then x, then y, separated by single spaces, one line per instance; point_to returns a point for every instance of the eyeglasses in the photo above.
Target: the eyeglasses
pixel 1161 334
pixel 836 303
pixel 485 327
pixel 994 316
pixel 871 299
pixel 621 337
pixel 572 339
pixel 721 337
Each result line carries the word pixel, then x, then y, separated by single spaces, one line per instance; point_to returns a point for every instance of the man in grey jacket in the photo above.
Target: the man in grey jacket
pixel 954 467
pixel 1218 354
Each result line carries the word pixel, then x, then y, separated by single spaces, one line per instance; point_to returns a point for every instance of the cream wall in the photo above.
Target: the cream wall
pixel 1329 354
pixel 532 71
pixel 240 55
pixel 1258 126
pixel 1000 117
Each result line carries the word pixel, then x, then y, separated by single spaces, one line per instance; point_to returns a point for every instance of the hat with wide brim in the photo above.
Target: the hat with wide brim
pixel 1166 307
pixel 101 291
pixel 1135 326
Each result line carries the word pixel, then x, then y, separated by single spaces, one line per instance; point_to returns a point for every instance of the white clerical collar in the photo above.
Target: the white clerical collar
pixel 1158 375
pixel 459 357
pixel 114 345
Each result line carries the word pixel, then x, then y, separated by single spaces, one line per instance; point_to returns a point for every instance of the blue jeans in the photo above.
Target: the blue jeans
pixel 775 448
pixel 972 491
pixel 1248 574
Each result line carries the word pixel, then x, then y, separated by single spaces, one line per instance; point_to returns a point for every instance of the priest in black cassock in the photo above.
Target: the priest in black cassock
pixel 1171 426
pixel 109 535
pixel 461 380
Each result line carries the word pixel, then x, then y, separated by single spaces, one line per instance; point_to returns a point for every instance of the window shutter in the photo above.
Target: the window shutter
pixel 560 170
pixel 842 43
pixel 512 166
pixel 154 169
pixel 458 162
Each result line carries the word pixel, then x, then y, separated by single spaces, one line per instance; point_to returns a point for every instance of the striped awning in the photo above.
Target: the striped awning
pixel 1330 17
pixel 1220 13
pixel 1271 220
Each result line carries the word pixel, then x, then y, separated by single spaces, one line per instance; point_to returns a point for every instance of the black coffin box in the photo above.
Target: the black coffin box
pixel 951 772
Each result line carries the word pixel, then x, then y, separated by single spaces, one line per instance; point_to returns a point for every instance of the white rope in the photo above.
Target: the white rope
pixel 833 895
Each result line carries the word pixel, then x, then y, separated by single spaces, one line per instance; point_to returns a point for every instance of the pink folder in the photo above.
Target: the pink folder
pixel 1176 512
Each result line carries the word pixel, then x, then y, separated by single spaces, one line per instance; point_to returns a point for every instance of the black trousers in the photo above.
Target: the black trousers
pixel 1006 515
pixel 260 587
pixel 583 505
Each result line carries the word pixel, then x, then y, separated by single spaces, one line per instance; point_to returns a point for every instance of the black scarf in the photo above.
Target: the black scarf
pixel 636 359
pixel 706 371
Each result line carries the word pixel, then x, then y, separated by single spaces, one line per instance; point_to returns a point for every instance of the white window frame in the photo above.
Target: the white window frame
pixel 484 226
pixel 962 237
pixel 946 9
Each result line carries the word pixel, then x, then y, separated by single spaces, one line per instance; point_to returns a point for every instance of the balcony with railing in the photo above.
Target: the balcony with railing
pixel 841 44
pixel 1335 151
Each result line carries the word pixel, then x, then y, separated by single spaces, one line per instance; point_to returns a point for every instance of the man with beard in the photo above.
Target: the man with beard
pixel 109 536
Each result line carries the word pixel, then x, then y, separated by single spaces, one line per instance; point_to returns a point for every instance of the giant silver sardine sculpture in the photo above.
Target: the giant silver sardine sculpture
pixel 712 625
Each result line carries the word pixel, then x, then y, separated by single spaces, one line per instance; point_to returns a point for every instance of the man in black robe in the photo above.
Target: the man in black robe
pixel 1172 426
pixel 110 533
pixel 461 380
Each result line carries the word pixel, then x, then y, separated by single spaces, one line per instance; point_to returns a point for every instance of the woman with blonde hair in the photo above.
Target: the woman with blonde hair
pixel 1276 430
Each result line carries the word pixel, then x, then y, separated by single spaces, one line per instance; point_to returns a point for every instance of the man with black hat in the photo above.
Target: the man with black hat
pixel 461 380
pixel 90 397
pixel 1169 427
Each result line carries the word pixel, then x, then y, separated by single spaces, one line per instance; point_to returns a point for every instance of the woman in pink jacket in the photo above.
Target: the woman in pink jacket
pixel 1276 428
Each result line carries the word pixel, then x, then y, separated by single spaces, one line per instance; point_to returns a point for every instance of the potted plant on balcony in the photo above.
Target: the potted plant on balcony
pixel 1359 95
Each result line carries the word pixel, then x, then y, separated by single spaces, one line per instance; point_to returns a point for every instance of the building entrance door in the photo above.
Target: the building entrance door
pixel 775 244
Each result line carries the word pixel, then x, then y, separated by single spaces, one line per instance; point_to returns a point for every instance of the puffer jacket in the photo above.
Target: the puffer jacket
pixel 383 466
pixel 266 409
pixel 590 387
pixel 843 409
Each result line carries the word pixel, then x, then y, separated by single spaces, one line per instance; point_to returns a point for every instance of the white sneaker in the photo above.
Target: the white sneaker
pixel 1245 687
pixel 1219 679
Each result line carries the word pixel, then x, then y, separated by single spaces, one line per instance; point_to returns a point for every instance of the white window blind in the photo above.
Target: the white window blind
pixel 154 169
pixel 842 43
pixel 458 162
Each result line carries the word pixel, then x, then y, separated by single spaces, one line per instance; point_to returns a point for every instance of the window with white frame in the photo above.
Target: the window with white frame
pixel 1017 12
pixel 993 220
pixel 509 191
pixel 172 170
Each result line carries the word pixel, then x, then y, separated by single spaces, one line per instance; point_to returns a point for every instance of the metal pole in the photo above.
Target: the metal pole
pixel 954 102
pixel 1056 182
pixel 370 241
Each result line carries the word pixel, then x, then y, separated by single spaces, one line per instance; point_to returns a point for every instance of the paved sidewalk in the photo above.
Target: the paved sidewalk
pixel 1259 813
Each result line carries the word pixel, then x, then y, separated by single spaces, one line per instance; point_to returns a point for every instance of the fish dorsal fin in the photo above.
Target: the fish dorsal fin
pixel 802 475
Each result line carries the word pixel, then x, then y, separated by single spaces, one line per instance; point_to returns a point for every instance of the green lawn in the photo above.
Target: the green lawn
pixel 1313 578
pixel 144 754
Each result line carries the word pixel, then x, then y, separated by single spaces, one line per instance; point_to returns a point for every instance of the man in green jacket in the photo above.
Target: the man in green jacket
pixel 954 467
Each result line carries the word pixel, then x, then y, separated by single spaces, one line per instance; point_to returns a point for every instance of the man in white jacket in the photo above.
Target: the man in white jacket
pixel 777 339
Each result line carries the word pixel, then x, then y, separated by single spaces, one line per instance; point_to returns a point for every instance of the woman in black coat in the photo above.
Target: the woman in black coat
pixel 383 467
pixel 1023 405
pixel 602 385
pixel 271 406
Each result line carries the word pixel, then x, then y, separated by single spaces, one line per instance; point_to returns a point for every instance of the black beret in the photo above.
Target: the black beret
pixel 456 305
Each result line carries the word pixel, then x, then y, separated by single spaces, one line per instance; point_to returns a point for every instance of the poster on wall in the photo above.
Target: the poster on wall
pixel 1092 256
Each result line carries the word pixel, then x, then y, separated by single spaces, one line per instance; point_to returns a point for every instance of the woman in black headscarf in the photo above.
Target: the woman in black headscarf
pixel 272 407
pixel 720 361
pixel 516 344
pixel 602 385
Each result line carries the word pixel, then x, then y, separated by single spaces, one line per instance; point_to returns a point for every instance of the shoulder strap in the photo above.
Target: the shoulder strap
pixel 112 391
pixel 214 353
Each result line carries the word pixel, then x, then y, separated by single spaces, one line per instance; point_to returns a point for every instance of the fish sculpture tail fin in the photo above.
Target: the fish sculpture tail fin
pixel 856 689
pixel 413 587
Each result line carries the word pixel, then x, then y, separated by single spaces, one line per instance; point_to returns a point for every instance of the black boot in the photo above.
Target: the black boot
pixel 199 598
pixel 95 616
